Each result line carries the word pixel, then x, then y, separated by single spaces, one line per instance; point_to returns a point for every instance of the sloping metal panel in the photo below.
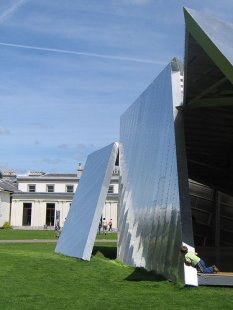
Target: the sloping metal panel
pixel 79 232
pixel 220 32
pixel 214 36
pixel 150 223
pixel 208 100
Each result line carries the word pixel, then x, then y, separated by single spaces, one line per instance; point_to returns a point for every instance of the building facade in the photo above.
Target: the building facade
pixel 40 200
pixel 6 190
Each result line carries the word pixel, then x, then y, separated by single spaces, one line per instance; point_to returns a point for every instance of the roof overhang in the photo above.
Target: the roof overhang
pixel 208 100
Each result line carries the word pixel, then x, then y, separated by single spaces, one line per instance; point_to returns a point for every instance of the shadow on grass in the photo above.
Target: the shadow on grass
pixel 108 252
pixel 140 274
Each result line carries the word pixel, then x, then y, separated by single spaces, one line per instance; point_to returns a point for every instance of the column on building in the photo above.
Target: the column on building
pixel 62 209
pixel 38 214
pixel 16 213
pixel 110 212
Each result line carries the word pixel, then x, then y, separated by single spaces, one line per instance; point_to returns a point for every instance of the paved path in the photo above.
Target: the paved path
pixel 47 241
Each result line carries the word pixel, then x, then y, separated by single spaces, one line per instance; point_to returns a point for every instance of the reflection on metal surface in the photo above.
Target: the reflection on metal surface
pixel 79 232
pixel 150 232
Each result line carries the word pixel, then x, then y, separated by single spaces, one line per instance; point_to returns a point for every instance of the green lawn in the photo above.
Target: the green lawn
pixel 11 234
pixel 108 236
pixel 34 277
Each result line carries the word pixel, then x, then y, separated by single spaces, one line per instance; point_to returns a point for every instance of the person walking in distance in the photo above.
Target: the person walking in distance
pixel 110 225
pixel 105 225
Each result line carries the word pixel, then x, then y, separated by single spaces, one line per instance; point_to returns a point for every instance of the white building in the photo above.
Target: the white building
pixel 42 200
pixel 6 190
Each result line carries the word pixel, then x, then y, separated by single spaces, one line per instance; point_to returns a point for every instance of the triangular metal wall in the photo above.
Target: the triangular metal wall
pixel 155 215
pixel 80 229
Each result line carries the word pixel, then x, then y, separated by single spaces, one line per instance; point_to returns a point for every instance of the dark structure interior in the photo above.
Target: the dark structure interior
pixel 208 116
pixel 208 127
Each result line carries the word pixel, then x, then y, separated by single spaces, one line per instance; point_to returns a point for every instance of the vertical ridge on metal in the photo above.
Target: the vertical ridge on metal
pixel 79 232
pixel 150 223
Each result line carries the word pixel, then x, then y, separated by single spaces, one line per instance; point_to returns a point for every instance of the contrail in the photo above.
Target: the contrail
pixel 54 50
pixel 5 15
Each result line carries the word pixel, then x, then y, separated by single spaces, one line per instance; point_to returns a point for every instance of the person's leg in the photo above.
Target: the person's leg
pixel 204 269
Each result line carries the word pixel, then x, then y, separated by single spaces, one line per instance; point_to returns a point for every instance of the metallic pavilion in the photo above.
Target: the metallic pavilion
pixel 167 137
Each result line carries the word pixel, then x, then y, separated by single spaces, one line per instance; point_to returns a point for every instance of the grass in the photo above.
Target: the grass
pixel 15 234
pixel 34 277
pixel 11 234
pixel 108 236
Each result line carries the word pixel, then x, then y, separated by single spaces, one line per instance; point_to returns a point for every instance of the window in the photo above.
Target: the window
pixel 50 188
pixel 69 188
pixel 50 214
pixel 27 212
pixel 111 189
pixel 31 188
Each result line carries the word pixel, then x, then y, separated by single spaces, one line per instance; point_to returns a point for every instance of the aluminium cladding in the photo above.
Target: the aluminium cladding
pixel 80 228
pixel 150 222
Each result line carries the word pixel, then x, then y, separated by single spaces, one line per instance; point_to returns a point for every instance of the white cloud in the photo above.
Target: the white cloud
pixel 4 131
pixel 4 166
pixel 52 161
pixel 83 146
pixel 11 10
pixel 46 49
pixel 138 2
pixel 63 146
pixel 124 31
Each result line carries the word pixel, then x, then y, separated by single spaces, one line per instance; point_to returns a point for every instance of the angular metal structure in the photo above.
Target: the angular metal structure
pixel 160 136
pixel 155 214
pixel 79 232
pixel 208 100
pixel 208 126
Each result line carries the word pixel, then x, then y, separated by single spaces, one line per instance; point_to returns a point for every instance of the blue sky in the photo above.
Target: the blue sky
pixel 70 68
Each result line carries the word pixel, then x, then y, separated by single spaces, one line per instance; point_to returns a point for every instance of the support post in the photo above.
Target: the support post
pixel 217 203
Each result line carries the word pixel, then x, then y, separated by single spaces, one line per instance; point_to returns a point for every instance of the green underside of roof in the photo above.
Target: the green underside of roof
pixel 208 46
